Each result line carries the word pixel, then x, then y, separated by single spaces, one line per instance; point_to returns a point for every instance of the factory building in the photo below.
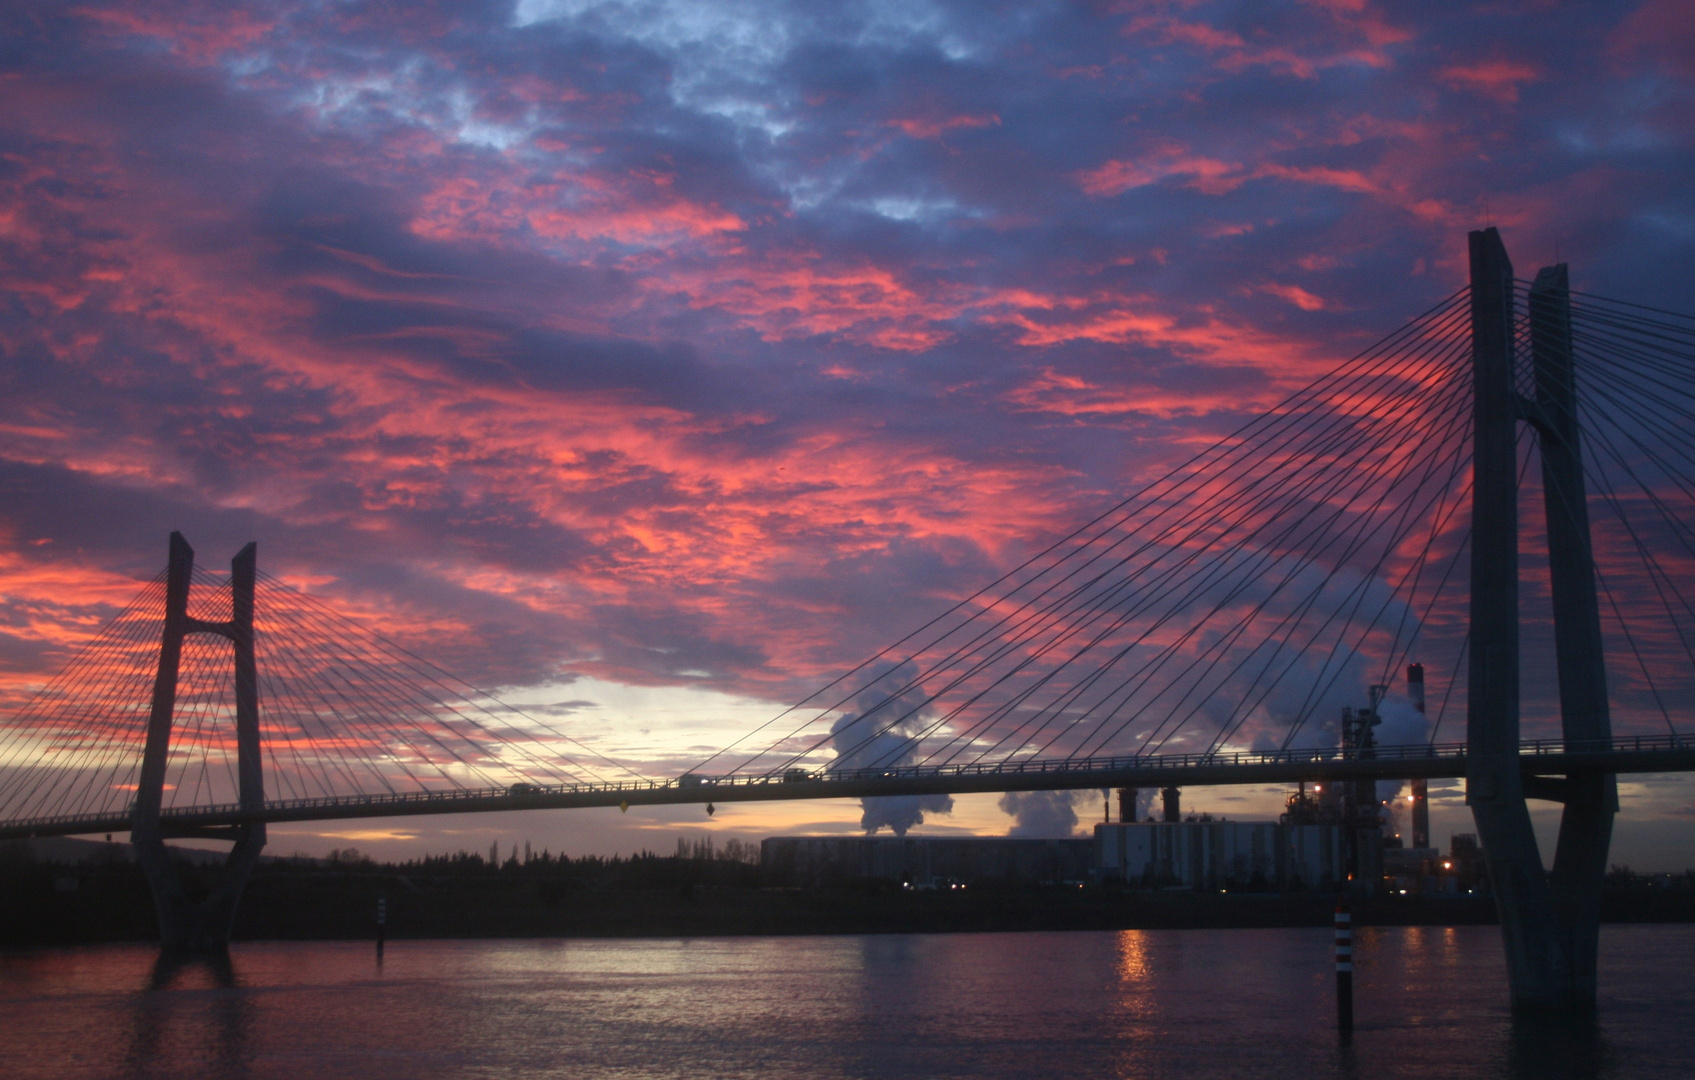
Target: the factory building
pixel 1213 855
pixel 1200 854
pixel 925 861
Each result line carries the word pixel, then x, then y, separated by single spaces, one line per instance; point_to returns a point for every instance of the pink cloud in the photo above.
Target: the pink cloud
pixel 1657 29
pixel 1497 80
pixel 1352 34
pixel 936 127
pixel 201 32
pixel 1209 175
pixel 1296 295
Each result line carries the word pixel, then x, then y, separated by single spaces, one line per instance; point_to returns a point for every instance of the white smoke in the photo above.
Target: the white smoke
pixel 900 812
pixel 1312 691
pixel 1043 814
pixel 1280 686
pixel 1400 725
pixel 879 735
pixel 1144 803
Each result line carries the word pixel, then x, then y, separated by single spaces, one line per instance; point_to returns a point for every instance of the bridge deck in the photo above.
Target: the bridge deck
pixel 1543 757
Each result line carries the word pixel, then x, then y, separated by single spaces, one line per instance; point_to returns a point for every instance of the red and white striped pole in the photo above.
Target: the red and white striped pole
pixel 1344 968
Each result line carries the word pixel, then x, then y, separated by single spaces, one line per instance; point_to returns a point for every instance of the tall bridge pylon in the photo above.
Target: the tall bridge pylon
pixel 204 922
pixel 1549 920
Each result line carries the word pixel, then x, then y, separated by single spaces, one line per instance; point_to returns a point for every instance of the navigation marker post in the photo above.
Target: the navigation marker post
pixel 1344 970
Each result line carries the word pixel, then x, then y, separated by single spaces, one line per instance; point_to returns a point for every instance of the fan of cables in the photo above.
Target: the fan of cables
pixel 1243 599
pixel 1635 368
pixel 1240 599
pixel 342 711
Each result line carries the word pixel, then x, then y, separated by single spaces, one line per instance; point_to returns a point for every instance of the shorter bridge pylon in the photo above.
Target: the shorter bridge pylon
pixel 1550 921
pixel 201 923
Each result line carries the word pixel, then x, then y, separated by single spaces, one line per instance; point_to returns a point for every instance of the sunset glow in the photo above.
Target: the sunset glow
pixel 651 364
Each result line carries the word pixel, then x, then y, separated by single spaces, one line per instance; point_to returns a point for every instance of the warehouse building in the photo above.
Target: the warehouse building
pixel 924 862
pixel 1215 855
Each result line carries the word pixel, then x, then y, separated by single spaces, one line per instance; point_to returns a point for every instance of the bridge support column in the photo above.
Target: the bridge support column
pixel 201 923
pixel 1549 921
pixel 1494 787
pixel 1591 800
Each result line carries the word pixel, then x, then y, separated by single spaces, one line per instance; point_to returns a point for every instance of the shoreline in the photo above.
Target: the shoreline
pixel 44 909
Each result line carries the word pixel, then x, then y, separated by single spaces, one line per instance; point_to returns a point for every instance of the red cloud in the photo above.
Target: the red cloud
pixel 584 207
pixel 936 127
pixel 1296 295
pixel 1206 174
pixel 1658 29
pixel 197 30
pixel 1352 35
pixel 1209 175
pixel 1496 79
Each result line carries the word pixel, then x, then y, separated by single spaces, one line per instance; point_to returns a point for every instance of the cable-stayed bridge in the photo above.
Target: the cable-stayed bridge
pixel 1538 757
pixel 1207 629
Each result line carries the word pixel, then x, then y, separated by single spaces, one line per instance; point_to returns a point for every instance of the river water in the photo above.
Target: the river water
pixel 1430 1002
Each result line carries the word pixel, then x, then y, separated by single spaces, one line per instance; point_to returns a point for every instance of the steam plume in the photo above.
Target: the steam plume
pixel 1043 813
pixel 878 735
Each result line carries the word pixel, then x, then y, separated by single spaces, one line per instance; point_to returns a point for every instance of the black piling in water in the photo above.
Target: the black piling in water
pixel 1344 970
pixel 382 923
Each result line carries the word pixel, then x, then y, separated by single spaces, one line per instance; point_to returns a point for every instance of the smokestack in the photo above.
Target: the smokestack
pixel 1127 797
pixel 1173 804
pixel 1420 788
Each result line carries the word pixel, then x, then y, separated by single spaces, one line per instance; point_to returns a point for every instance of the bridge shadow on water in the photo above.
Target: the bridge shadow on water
pixel 1532 1047
pixel 192 1017
pixel 1557 1047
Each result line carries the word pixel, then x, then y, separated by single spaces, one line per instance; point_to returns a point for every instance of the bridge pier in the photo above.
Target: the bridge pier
pixel 1591 799
pixel 1549 922
pixel 200 923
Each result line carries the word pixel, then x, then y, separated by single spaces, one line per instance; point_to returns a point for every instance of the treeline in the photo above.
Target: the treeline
pixel 694 862
pixel 1624 879
pixel 527 861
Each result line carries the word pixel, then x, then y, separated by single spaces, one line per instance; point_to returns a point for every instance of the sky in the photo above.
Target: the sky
pixel 654 362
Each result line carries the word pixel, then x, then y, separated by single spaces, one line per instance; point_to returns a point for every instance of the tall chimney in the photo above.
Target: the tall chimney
pixel 1173 804
pixel 1420 788
pixel 1127 797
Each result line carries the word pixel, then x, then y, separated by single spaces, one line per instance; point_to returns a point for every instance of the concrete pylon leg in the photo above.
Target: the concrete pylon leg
pixel 1586 824
pixel 200 925
pixel 1494 786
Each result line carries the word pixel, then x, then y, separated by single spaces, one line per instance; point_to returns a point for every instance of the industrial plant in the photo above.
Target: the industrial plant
pixel 1330 837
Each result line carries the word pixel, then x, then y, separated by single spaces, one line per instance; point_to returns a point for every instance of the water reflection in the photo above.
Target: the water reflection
pixel 193 1017
pixel 1132 955
pixel 1556 1048
pixel 173 969
pixel 1141 1005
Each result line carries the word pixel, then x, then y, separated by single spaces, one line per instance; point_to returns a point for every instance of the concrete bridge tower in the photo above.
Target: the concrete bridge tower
pixel 201 923
pixel 1549 919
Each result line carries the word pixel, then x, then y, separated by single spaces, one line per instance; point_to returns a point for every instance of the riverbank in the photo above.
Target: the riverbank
pixel 43 904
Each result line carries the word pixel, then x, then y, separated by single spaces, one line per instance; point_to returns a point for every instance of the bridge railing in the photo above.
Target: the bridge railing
pixel 831 776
